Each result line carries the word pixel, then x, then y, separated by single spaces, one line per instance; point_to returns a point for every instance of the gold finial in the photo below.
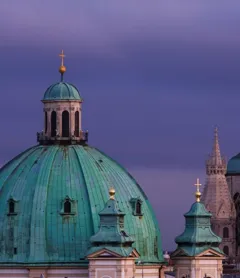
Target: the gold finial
pixel 112 193
pixel 198 193
pixel 62 68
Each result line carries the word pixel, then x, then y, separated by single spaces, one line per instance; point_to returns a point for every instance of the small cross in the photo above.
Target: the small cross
pixel 198 184
pixel 62 57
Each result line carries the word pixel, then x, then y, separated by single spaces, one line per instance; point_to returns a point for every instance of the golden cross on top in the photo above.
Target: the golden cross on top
pixel 62 57
pixel 198 184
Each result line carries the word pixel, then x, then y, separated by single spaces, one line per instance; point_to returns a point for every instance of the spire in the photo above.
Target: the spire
pixel 216 155
pixel 198 193
pixel 215 163
pixel 62 68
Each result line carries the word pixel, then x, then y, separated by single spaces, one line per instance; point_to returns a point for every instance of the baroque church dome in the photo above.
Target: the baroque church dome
pixel 51 194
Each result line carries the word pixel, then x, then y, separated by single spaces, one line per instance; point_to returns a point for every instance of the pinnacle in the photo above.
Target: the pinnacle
pixel 216 158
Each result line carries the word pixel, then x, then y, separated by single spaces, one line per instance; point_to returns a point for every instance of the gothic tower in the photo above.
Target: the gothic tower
pixel 218 201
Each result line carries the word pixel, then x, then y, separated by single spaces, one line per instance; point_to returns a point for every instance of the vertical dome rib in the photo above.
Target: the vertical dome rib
pixel 38 223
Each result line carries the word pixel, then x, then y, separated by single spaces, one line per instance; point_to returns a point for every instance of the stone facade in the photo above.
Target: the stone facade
pixel 234 188
pixel 199 266
pixel 113 268
pixel 218 201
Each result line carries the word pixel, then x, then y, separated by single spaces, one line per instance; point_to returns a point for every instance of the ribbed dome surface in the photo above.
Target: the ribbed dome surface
pixel 62 91
pixel 39 180
pixel 233 167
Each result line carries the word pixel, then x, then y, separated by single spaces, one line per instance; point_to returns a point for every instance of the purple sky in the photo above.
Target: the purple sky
pixel 156 78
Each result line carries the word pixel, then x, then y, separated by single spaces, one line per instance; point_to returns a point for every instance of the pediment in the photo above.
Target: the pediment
pixel 179 253
pixel 106 253
pixel 207 253
pixel 210 253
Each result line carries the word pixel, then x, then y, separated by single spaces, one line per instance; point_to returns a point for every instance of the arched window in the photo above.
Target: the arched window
pixel 53 123
pixel 11 206
pixel 138 207
pixel 67 206
pixel 46 122
pixel 226 250
pixel 76 132
pixel 65 124
pixel 225 232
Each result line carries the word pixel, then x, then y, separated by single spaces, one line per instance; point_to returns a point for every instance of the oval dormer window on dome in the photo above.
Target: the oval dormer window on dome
pixel 12 207
pixel 136 206
pixel 68 206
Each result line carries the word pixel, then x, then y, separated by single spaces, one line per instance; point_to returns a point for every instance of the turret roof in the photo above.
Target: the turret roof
pixel 62 91
pixel 198 235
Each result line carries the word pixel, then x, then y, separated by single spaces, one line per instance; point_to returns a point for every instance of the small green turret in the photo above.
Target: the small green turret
pixel 198 254
pixel 111 234
pixel 198 235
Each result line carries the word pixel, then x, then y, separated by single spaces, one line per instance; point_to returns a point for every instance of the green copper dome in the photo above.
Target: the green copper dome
pixel 50 199
pixel 233 167
pixel 198 235
pixel 62 91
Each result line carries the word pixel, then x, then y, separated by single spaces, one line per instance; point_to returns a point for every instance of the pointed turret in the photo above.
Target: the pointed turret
pixel 217 198
pixel 216 163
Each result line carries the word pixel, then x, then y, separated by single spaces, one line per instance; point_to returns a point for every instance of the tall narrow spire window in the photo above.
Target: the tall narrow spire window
pixel 53 123
pixel 225 232
pixel 76 132
pixel 226 250
pixel 46 122
pixel 65 124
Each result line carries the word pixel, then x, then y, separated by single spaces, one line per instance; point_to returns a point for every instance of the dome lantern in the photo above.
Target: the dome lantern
pixel 62 113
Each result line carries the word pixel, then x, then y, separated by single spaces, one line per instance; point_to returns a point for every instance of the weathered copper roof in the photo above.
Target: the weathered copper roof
pixel 40 179
pixel 62 91
pixel 198 235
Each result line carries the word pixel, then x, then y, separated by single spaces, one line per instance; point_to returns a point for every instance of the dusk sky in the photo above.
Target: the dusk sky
pixel 156 78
